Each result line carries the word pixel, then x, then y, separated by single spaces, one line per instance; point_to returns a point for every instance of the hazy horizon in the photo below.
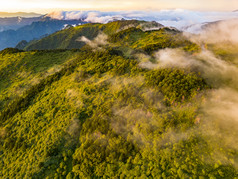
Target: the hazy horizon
pixel 46 6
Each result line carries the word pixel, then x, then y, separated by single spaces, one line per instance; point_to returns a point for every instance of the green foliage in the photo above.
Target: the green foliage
pixel 175 84
pixel 19 71
pixel 120 33
pixel 97 114
pixel 127 33
pixel 10 51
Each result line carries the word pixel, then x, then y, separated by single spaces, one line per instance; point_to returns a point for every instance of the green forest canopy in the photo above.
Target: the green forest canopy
pixel 98 114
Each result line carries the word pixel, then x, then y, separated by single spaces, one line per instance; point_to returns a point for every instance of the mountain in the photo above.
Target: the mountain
pixel 231 24
pixel 130 34
pixel 10 38
pixel 21 45
pixel 133 101
pixel 173 18
pixel 17 20
pixel 198 28
pixel 14 23
pixel 19 14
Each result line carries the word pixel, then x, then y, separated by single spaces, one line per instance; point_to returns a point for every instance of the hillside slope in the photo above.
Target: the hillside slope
pixel 21 70
pixel 117 109
pixel 137 35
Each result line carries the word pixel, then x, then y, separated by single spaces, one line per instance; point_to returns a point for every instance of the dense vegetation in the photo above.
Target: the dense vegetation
pixel 96 113
pixel 124 34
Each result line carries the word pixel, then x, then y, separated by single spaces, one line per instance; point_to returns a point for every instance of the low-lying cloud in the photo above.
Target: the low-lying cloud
pixel 218 32
pixel 97 42
pixel 179 18
pixel 216 71
pixel 217 118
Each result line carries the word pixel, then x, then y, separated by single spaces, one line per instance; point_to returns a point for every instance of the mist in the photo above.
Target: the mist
pixel 127 107
pixel 216 111
pixel 218 116
pixel 217 32
pixel 97 43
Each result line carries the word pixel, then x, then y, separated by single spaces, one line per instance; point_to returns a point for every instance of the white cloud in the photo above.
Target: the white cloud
pixel 221 31
pixel 97 42
pixel 178 18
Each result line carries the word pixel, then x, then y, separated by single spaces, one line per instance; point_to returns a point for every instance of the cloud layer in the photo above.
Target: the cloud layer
pixel 217 32
pixel 179 18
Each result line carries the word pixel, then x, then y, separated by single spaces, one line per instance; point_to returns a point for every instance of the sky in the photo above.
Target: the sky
pixel 45 6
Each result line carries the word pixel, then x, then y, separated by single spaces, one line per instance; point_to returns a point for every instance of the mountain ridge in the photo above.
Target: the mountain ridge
pixel 10 38
pixel 20 14
pixel 115 33
pixel 134 101
pixel 14 23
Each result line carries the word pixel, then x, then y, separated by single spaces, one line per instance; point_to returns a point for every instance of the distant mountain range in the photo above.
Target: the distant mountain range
pixel 20 14
pixel 15 23
pixel 33 26
pixel 197 28
pixel 39 29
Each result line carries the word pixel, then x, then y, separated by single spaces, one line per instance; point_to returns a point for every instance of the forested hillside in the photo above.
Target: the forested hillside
pixel 132 34
pixel 118 100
